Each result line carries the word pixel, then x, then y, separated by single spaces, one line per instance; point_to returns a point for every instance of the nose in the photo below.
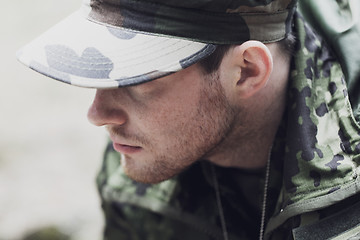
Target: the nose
pixel 106 109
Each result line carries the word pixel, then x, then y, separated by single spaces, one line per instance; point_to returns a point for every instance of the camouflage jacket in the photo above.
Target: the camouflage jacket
pixel 313 186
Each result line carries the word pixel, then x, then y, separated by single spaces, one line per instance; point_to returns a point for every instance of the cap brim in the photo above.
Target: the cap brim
pixel 84 53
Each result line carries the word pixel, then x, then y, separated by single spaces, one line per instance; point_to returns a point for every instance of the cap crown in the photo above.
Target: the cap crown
pixel 209 21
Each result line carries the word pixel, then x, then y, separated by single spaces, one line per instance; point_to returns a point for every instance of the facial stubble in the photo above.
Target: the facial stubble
pixel 206 130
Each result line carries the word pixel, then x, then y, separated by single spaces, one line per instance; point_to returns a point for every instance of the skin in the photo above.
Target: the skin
pixel 163 126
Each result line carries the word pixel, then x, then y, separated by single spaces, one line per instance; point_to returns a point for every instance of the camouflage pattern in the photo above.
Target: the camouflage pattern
pixel 99 56
pixel 315 158
pixel 339 21
pixel 313 177
pixel 215 22
pixel 117 43
pixel 184 207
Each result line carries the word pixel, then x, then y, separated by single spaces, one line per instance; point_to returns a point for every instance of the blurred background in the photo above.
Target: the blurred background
pixel 49 153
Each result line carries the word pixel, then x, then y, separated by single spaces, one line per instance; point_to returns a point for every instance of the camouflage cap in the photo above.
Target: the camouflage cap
pixel 115 43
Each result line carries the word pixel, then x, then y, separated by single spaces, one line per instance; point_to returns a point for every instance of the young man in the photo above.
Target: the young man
pixel 227 128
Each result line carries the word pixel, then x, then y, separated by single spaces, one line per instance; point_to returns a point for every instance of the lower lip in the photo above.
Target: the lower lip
pixel 125 149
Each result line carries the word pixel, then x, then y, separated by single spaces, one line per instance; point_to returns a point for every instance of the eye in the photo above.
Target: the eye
pixel 142 89
pixel 145 91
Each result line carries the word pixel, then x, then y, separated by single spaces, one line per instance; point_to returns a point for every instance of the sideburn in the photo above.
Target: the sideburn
pixel 213 98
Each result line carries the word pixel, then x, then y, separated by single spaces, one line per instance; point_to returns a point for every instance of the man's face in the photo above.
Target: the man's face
pixel 163 126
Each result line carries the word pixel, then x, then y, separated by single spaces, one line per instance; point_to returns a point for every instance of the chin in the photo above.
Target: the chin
pixel 152 171
pixel 148 175
pixel 146 178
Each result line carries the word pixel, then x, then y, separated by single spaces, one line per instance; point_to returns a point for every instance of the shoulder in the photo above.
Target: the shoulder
pixel 340 221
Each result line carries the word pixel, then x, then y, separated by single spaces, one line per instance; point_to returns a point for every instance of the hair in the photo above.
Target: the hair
pixel 211 63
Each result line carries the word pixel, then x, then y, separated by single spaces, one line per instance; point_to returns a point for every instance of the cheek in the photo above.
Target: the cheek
pixel 172 120
pixel 169 123
pixel 171 114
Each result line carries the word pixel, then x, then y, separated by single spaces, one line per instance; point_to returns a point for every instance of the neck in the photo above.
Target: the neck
pixel 246 148
pixel 249 143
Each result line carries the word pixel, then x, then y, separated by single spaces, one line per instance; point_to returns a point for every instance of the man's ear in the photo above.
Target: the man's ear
pixel 256 64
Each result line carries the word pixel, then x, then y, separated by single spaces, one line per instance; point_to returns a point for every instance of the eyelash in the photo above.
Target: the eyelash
pixel 138 94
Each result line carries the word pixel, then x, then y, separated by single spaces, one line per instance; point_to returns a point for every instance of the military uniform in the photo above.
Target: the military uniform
pixel 310 188
pixel 313 178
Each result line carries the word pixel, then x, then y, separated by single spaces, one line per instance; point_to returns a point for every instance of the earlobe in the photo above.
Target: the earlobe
pixel 255 61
